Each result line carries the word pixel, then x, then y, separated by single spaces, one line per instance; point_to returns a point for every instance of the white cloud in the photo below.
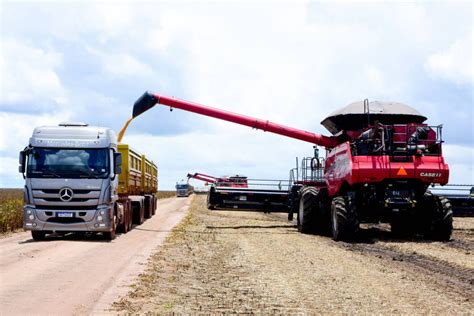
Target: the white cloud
pixel 29 73
pixel 454 63
pixel 289 63
pixel 124 65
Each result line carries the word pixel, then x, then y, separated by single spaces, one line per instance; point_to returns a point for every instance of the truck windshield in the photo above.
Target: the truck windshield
pixel 70 163
pixel 181 186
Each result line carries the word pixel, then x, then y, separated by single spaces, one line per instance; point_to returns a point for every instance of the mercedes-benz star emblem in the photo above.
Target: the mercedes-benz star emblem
pixel 65 194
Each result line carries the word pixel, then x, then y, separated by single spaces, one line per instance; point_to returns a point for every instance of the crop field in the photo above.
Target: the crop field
pixel 227 262
pixel 11 203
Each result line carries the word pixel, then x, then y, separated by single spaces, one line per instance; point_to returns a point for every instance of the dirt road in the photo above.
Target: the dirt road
pixel 230 262
pixel 72 275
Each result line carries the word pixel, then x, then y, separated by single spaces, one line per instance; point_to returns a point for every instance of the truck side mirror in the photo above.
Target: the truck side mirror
pixel 117 163
pixel 22 161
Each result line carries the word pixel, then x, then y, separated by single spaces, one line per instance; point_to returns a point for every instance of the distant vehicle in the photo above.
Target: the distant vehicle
pixel 78 179
pixel 184 190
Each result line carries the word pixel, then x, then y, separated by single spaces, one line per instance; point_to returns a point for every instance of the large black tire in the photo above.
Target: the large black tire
pixel 308 208
pixel 111 235
pixel 153 209
pixel 138 213
pixel 210 199
pixel 439 215
pixel 130 216
pixel 38 235
pixel 148 207
pixel 344 220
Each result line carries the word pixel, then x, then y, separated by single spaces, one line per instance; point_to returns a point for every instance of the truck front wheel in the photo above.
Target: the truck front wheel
pixel 37 235
pixel 111 235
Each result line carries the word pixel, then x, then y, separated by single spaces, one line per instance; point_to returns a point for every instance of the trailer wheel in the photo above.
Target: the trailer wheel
pixel 440 217
pixel 130 216
pixel 307 210
pixel 126 219
pixel 153 209
pixel 38 235
pixel 345 223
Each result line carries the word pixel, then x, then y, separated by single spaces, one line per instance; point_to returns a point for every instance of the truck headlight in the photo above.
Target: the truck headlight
pixel 100 218
pixel 31 217
pixel 28 212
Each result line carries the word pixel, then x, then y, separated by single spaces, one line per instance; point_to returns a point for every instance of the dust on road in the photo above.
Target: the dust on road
pixel 230 262
pixel 79 275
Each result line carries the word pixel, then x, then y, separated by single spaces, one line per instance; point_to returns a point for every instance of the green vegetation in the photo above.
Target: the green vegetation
pixel 11 204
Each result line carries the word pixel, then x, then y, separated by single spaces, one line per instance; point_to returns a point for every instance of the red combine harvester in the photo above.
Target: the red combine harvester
pixel 232 181
pixel 379 163
pixel 234 193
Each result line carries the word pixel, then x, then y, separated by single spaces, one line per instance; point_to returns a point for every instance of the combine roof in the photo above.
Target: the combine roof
pixel 353 116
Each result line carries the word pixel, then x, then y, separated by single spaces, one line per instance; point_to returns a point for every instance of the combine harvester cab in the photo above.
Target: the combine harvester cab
pixel 243 194
pixel 379 163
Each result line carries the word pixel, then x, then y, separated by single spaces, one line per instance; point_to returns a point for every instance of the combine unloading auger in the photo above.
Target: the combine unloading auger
pixel 148 100
pixel 380 162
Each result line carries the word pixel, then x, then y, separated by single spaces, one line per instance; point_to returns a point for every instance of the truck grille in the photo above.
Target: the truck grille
pixel 65 220
pixel 50 199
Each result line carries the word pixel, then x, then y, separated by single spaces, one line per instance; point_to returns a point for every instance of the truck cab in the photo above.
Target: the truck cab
pixel 71 181
pixel 184 189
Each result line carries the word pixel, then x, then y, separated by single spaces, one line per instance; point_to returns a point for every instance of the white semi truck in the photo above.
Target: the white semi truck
pixel 78 179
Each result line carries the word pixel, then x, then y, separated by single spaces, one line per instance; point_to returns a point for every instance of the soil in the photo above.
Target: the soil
pixel 77 275
pixel 243 262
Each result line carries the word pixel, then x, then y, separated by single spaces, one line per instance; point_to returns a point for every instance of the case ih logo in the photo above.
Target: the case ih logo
pixel 430 174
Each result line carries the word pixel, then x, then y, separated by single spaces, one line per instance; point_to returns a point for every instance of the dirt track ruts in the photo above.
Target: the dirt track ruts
pixel 67 275
pixel 231 262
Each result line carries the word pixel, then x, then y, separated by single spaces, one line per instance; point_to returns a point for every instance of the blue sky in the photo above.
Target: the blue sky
pixel 292 63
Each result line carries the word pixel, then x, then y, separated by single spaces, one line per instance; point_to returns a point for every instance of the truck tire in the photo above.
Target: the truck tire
pixel 126 226
pixel 345 223
pixel 440 217
pixel 153 203
pixel 38 235
pixel 308 207
pixel 148 207
pixel 138 214
pixel 130 216
pixel 111 235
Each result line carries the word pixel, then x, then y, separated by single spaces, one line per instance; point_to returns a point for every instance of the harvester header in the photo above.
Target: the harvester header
pixel 148 100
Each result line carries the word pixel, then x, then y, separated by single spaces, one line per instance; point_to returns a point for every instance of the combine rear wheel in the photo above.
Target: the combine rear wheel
pixel 440 217
pixel 345 223
pixel 307 210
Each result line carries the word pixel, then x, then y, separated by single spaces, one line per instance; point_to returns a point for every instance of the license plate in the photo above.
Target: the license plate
pixel 64 214
pixel 243 198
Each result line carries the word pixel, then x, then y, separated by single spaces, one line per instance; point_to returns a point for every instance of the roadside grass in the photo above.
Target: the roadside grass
pixel 11 214
pixel 145 285
pixel 165 194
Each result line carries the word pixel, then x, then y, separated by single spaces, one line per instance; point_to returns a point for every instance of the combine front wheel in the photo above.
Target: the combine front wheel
pixel 307 210
pixel 345 223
